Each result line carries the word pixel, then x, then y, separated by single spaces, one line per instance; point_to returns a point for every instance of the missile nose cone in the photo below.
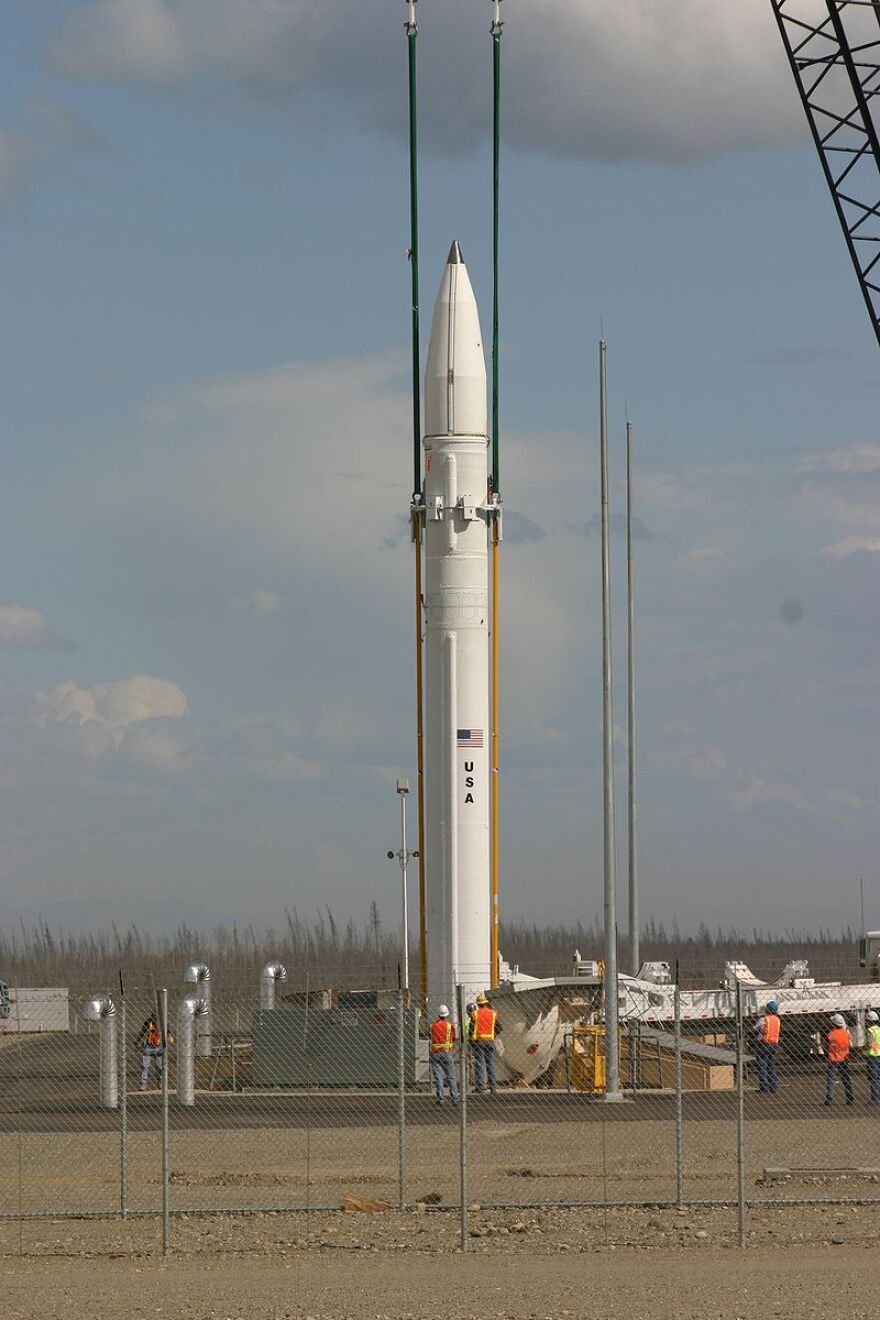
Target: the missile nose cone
pixel 455 376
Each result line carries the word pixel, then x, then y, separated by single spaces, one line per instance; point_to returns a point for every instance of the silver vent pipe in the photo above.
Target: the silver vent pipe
pixel 191 1014
pixel 103 1010
pixel 271 975
pixel 199 975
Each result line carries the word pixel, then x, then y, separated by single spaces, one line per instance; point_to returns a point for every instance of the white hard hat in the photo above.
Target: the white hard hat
pixel 443 1011
pixel 871 1016
pixel 838 1019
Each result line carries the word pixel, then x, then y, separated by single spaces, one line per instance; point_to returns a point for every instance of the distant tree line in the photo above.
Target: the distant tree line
pixel 326 952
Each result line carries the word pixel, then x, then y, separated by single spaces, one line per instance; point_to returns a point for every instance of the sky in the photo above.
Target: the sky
pixel 206 653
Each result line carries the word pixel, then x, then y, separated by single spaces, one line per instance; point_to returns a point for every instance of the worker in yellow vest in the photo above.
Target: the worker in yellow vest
pixel 872 1053
pixel 483 1030
pixel 442 1048
pixel 767 1032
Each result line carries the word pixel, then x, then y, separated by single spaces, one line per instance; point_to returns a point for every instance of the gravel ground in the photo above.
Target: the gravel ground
pixel 510 1162
pixel 619 1264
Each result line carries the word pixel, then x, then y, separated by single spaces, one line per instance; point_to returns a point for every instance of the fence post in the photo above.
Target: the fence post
pixel 679 1116
pixel 740 1122
pixel 401 1100
pixel 462 1114
pixel 308 1081
pixel 123 1106
pixel 20 1108
pixel 166 1204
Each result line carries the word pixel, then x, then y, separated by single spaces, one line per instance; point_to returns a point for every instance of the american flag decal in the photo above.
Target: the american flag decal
pixel 470 737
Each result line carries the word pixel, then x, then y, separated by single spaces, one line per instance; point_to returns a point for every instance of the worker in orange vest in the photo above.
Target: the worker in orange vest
pixel 767 1032
pixel 838 1046
pixel 483 1029
pixel 442 1047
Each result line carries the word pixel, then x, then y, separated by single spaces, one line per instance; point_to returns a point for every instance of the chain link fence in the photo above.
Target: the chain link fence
pixel 280 1097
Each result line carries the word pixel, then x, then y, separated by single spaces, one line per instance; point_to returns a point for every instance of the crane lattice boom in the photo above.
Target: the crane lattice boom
pixel 833 47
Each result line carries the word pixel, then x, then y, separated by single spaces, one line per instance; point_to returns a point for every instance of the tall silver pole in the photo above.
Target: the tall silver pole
pixel 403 861
pixel 634 953
pixel 612 1047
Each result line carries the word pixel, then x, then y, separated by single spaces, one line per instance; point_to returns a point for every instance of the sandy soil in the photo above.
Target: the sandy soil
pixel 820 1262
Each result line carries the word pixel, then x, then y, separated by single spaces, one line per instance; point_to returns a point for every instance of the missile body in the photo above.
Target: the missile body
pixel 456 618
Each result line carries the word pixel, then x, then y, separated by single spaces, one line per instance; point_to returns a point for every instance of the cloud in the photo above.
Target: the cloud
pixel 607 82
pixel 47 129
pixel 518 528
pixel 258 604
pixel 617 526
pixel 853 545
pixel 105 712
pixel 854 461
pixel 850 802
pixel 24 628
pixel 705 554
pixel 791 611
pixel 799 357
pixel 758 793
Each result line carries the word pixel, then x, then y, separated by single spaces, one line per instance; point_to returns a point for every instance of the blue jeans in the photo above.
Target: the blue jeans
pixel 484 1058
pixel 443 1070
pixel 151 1054
pixel 768 1073
pixel 873 1064
pixel 831 1076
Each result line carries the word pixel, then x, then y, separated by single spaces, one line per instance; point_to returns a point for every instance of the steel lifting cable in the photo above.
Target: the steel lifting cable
pixel 412 32
pixel 495 478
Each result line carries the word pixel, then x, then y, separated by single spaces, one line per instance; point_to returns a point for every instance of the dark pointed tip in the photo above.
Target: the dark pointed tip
pixel 455 258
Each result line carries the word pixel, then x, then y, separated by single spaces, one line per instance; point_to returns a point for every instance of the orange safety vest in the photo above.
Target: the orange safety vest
pixel 154 1036
pixel 839 1041
pixel 442 1035
pixel 484 1023
pixel 770 1033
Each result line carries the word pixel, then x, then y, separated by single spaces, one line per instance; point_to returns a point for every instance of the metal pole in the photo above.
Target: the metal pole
pixel 462 1115
pixel 166 1203
pixel 404 857
pixel 679 1117
pixel 308 1070
pixel 740 1122
pixel 401 1099
pixel 123 1108
pixel 412 32
pixel 612 1048
pixel 634 955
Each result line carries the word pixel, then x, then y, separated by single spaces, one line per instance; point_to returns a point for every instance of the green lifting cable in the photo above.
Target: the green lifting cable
pixel 412 33
pixel 496 30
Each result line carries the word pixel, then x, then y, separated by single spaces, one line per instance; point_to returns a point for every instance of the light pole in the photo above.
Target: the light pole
pixel 403 856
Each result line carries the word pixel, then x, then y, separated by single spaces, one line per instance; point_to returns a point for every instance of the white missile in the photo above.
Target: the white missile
pixel 456 614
